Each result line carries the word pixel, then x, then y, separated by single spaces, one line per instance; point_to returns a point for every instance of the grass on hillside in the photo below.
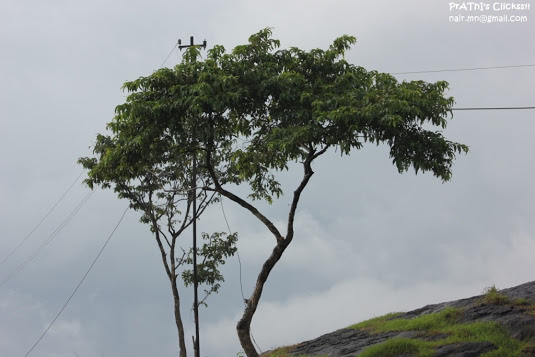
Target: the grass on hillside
pixel 443 324
pixel 283 352
pixel 493 296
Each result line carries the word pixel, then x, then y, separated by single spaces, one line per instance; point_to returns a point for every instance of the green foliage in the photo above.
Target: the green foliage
pixel 212 254
pixel 147 157
pixel 256 109
pixel 243 116
pixel 316 99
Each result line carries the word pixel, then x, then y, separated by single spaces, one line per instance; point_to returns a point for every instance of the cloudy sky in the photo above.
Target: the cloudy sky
pixel 368 240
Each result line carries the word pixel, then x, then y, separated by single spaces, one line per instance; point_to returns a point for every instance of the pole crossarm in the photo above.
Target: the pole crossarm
pixel 191 44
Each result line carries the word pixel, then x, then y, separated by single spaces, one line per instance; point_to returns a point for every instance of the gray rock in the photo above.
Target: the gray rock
pixel 524 291
pixel 470 349
pixel 515 319
pixel 341 343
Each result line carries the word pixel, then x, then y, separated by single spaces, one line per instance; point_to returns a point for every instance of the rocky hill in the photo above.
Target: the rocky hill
pixel 497 323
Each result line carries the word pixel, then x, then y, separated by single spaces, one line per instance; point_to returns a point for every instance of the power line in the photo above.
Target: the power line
pixel 467 69
pixel 451 70
pixel 80 283
pixel 169 55
pixel 241 284
pixel 438 71
pixel 239 259
pixel 42 220
pixel 495 108
pixel 48 240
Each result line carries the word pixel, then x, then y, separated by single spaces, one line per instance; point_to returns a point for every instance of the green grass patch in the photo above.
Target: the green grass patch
pixel 494 297
pixel 445 322
pixel 283 352
pixel 373 323
pixel 485 331
pixel 522 302
pixel 457 333
pixel 431 322
pixel 398 346
pixel 526 305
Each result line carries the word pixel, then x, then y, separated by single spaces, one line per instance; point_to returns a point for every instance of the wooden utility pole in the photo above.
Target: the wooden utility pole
pixel 196 344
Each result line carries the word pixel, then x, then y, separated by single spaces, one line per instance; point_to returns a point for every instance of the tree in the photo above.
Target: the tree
pixel 154 172
pixel 260 108
pixel 315 101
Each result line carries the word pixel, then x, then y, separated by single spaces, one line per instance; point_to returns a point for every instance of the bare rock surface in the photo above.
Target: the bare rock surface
pixel 515 318
pixel 469 349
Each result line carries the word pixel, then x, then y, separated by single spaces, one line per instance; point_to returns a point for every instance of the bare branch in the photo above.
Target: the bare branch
pixel 321 152
pixel 307 166
pixel 165 237
pixel 180 260
pixel 219 189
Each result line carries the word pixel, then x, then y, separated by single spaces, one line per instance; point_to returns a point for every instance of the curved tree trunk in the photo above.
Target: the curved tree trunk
pixel 178 319
pixel 244 325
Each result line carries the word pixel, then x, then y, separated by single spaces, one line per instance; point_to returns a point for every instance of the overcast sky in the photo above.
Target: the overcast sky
pixel 368 240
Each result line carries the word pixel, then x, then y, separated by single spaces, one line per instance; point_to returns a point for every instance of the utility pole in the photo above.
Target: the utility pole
pixel 196 344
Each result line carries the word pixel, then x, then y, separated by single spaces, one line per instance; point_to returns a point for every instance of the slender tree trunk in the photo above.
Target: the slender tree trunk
pixel 244 325
pixel 171 274
pixel 178 319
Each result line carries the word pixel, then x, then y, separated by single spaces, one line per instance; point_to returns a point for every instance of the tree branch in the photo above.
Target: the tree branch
pixel 307 165
pixel 219 189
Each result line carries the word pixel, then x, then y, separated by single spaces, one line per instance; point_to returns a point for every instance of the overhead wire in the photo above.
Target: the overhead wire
pixel 79 284
pixel 495 108
pixel 169 55
pixel 54 234
pixel 466 69
pixel 175 47
pixel 239 260
pixel 477 69
pixel 237 252
pixel 43 219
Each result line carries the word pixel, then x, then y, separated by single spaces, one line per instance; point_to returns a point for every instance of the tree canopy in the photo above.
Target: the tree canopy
pixel 246 115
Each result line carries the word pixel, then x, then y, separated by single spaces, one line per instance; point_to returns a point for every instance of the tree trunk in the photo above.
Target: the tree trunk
pixel 171 274
pixel 178 319
pixel 244 325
